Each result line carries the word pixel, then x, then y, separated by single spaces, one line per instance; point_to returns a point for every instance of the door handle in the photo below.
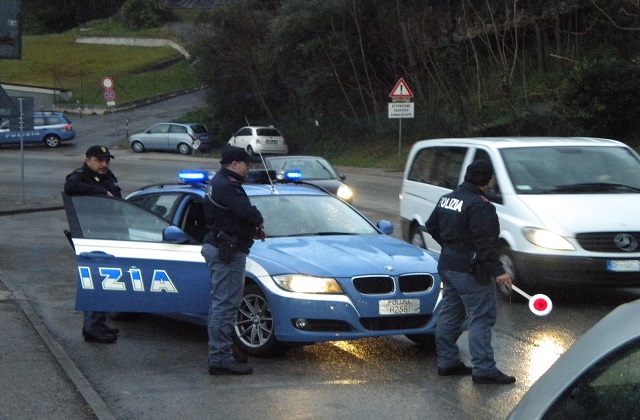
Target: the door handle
pixel 96 255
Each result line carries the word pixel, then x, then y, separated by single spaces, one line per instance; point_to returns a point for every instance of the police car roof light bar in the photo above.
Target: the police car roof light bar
pixel 193 176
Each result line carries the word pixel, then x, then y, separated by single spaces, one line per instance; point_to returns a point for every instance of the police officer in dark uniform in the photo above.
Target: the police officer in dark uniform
pixel 95 178
pixel 466 226
pixel 233 224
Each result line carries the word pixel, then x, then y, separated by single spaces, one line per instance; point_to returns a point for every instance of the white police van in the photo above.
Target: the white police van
pixel 569 207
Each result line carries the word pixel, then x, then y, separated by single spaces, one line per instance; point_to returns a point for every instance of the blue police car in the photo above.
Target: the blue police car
pixel 324 272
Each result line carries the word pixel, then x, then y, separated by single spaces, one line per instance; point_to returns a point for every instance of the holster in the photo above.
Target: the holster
pixel 227 247
pixel 482 275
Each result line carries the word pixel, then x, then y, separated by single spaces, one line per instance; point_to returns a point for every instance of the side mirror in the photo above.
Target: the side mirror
pixel 385 227
pixel 174 235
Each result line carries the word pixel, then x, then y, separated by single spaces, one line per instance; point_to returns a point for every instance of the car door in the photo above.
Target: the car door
pixel 243 137
pixel 157 137
pixel 131 260
pixel 177 134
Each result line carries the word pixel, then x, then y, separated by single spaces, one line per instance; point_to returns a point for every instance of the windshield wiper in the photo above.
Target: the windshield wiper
pixel 594 187
pixel 321 234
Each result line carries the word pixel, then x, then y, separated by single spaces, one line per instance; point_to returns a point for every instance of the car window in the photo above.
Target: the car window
pixel 302 215
pixel 101 217
pixel 310 169
pixel 571 169
pixel 163 205
pixel 199 128
pixel 193 222
pixel 177 128
pixel 610 389
pixel 38 121
pixel 268 132
pixel 494 192
pixel 160 128
pixel 52 121
pixel 439 166
pixel 244 132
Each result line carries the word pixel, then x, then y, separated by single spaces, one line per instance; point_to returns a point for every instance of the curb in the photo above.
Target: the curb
pixel 98 406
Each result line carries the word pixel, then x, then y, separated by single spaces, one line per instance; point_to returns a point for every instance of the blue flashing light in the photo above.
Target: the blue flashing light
pixel 295 175
pixel 193 176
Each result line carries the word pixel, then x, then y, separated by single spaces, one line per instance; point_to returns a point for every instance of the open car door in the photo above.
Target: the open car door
pixel 131 260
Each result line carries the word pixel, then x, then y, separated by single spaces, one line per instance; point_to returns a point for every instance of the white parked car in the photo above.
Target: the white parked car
pixel 254 140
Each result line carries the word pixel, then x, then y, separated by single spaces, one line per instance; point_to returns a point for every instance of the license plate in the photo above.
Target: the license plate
pixel 272 141
pixel 398 306
pixel 623 265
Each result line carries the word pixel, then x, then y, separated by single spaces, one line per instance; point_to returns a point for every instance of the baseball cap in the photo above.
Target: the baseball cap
pixel 98 151
pixel 479 172
pixel 237 154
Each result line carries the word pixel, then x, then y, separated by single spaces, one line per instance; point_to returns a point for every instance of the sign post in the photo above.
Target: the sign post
pixel 109 96
pixel 401 107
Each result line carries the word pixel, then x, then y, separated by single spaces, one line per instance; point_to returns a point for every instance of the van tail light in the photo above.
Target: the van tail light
pixel 193 139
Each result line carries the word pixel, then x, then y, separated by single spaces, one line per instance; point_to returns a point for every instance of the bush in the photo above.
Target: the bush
pixel 603 96
pixel 141 14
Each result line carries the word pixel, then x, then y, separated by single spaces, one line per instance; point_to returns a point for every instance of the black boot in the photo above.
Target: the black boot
pixel 99 337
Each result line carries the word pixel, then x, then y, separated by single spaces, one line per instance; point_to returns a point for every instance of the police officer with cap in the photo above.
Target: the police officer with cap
pixel 233 224
pixel 95 178
pixel 466 225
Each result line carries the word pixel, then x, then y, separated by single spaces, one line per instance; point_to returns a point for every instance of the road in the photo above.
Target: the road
pixel 158 368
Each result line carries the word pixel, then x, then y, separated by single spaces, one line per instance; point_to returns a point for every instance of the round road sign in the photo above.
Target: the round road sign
pixel 109 95
pixel 107 82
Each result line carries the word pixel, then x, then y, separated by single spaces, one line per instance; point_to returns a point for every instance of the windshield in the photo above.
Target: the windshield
pixel 309 215
pixel 572 169
pixel 309 168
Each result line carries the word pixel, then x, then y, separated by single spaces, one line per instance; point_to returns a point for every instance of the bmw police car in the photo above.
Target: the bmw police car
pixel 324 272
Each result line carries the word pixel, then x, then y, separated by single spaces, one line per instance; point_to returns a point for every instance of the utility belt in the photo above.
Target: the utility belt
pixel 464 261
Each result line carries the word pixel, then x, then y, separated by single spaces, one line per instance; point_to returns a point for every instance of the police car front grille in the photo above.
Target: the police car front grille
pixel 606 241
pixel 373 285
pixel 415 283
pixel 388 323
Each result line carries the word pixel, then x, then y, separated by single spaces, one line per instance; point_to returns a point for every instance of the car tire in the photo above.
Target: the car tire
pixel 51 140
pixel 255 328
pixel 506 257
pixel 137 146
pixel 184 148
pixel 416 238
pixel 428 341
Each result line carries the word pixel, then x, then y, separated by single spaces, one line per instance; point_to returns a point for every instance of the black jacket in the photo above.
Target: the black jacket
pixel 84 181
pixel 228 209
pixel 465 223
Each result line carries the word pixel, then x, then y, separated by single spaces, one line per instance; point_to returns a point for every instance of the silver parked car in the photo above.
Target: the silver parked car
pixel 598 377
pixel 171 137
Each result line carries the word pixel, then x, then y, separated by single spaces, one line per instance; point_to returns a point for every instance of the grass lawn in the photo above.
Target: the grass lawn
pixel 56 61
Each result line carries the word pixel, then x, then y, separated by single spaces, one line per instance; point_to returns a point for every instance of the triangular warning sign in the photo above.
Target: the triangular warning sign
pixel 401 90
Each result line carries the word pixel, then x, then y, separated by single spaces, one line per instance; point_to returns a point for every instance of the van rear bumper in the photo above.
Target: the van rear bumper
pixel 552 270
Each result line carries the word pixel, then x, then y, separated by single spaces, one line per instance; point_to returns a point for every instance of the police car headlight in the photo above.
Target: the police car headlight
pixel 345 192
pixel 300 283
pixel 547 239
